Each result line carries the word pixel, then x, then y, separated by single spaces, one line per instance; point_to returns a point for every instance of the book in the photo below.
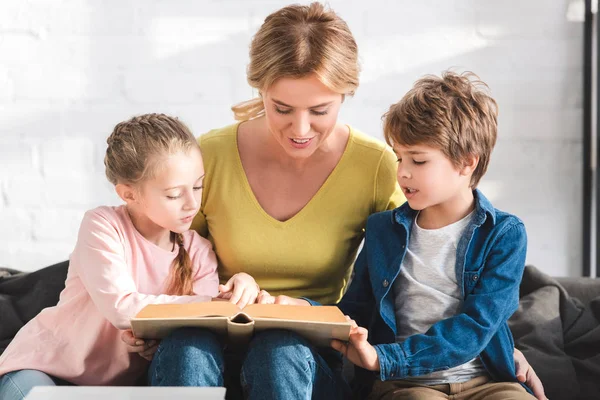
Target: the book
pixel 317 324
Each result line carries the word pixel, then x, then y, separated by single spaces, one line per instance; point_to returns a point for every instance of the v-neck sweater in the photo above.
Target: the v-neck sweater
pixel 311 254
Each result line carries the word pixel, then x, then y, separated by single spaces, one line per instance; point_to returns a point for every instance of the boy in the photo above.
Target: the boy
pixel 441 272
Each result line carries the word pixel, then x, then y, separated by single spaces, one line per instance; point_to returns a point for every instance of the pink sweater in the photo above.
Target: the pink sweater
pixel 113 273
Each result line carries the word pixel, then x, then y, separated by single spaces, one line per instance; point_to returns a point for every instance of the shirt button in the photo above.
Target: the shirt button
pixel 392 374
pixel 475 277
pixel 385 283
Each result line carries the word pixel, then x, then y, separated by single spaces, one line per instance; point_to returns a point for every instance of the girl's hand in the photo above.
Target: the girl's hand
pixel 265 298
pixel 241 289
pixel 145 349
pixel 358 350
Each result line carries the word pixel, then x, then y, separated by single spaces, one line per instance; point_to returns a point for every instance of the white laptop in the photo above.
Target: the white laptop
pixel 125 393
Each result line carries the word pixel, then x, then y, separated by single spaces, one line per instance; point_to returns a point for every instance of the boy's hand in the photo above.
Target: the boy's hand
pixel 145 349
pixel 526 375
pixel 358 350
pixel 241 289
pixel 265 298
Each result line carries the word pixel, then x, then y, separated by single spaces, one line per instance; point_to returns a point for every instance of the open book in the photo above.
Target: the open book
pixel 317 324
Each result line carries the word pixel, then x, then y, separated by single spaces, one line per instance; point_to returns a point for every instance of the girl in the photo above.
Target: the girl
pixel 126 257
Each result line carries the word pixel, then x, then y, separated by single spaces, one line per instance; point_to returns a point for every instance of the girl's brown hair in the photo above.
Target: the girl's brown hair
pixel 297 41
pixel 453 113
pixel 135 148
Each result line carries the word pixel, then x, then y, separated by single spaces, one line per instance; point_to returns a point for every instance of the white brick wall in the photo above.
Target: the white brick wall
pixel 70 70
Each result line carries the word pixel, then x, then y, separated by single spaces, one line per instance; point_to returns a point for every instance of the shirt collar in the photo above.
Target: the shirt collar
pixel 404 215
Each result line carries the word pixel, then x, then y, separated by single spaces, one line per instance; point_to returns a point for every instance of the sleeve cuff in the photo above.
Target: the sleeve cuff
pixel 312 302
pixel 392 361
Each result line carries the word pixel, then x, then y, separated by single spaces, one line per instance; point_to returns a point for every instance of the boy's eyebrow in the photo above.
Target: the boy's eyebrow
pixel 177 187
pixel 413 151
pixel 281 103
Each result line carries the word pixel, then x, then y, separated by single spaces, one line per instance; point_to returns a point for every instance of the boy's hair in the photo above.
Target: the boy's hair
pixel 296 41
pixel 453 113
pixel 135 149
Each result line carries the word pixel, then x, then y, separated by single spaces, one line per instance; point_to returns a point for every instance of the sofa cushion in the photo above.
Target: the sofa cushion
pixel 559 335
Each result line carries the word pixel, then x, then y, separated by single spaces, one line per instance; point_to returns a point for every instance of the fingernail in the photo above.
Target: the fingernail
pixel 139 342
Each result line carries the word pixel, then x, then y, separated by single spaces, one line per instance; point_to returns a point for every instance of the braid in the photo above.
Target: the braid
pixel 180 282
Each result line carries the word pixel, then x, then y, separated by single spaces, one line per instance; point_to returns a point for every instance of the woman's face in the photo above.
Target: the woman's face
pixel 301 114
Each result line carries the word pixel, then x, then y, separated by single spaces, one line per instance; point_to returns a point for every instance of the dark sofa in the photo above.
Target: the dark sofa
pixel 557 325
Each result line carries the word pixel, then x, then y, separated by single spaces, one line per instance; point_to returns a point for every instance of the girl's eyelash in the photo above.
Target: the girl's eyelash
pixel 315 112
pixel 196 188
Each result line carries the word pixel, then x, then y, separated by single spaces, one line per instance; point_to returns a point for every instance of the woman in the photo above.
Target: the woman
pixel 286 197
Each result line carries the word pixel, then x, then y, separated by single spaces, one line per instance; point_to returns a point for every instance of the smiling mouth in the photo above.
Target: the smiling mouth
pixel 409 190
pixel 300 141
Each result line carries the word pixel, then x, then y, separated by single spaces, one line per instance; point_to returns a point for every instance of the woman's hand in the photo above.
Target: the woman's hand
pixel 241 289
pixel 265 298
pixel 145 349
pixel 526 374
pixel 358 350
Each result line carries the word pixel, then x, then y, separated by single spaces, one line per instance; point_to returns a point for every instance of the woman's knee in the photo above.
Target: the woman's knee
pixel 285 363
pixel 278 338
pixel 15 385
pixel 190 348
pixel 185 340
pixel 278 347
pixel 188 357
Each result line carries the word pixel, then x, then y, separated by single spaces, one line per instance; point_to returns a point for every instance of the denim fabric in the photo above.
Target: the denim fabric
pixel 188 357
pixel 282 365
pixel 15 385
pixel 490 259
pixel 278 365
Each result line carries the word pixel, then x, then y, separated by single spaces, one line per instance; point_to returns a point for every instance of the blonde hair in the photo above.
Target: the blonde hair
pixel 297 41
pixel 454 113
pixel 135 148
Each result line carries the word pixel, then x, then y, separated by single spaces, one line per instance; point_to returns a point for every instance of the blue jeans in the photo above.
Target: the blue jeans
pixel 15 385
pixel 278 365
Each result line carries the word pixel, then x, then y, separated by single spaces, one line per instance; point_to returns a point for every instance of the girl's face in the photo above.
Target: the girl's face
pixel 301 114
pixel 171 199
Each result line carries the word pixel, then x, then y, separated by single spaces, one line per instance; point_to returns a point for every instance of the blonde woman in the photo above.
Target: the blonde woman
pixel 287 194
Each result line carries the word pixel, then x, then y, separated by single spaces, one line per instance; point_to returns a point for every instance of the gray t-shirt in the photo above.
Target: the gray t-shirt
pixel 426 291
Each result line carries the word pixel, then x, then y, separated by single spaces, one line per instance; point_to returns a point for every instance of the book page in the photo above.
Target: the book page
pixel 330 314
pixel 190 310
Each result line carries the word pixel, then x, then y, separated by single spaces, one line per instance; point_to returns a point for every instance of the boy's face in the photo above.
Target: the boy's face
pixel 428 178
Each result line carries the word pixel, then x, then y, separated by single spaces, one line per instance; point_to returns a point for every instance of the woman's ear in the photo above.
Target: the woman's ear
pixel 127 193
pixel 469 164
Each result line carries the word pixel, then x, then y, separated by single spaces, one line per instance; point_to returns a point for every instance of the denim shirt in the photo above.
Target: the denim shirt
pixel 490 259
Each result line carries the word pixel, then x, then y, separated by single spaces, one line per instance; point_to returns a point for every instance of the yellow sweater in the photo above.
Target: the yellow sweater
pixel 311 254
